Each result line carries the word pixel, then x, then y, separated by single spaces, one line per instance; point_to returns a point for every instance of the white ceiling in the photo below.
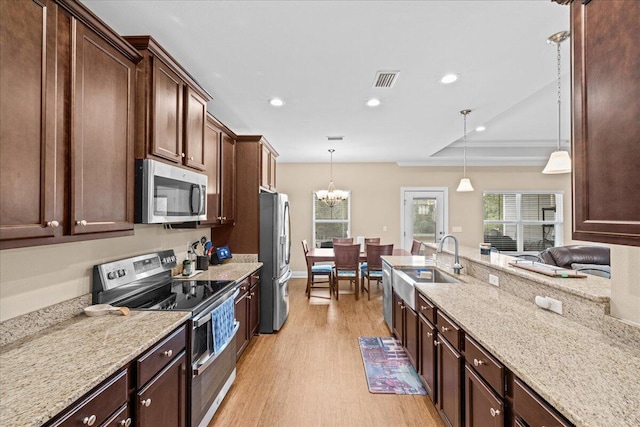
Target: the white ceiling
pixel 321 58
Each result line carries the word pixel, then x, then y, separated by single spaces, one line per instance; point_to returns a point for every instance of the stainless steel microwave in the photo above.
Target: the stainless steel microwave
pixel 168 194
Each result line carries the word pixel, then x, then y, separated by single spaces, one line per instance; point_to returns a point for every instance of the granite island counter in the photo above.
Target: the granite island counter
pixel 588 375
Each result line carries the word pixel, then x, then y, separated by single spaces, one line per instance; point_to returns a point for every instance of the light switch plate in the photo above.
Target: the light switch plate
pixel 456 229
pixel 494 280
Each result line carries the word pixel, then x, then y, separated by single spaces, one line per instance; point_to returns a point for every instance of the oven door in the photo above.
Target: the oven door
pixel 213 357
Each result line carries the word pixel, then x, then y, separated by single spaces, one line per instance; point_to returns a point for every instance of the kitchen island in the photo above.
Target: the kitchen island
pixel 588 375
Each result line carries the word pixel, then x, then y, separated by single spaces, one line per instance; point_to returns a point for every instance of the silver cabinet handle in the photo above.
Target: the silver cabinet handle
pixel 125 423
pixel 429 334
pixel 89 420
pixel 494 412
pixel 82 223
pixel 422 307
pixel 477 362
pixel 146 402
pixel 168 353
pixel 436 343
pixel 182 155
pixel 445 329
pixel 53 224
pixel 190 157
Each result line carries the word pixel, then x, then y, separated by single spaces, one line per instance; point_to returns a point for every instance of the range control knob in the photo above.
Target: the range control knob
pixel 111 275
pixel 121 273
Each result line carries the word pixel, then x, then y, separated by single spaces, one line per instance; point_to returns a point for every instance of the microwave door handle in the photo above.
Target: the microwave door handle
pixel 195 196
pixel 203 192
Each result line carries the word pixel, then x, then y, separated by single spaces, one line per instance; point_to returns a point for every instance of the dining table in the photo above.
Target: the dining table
pixel 328 255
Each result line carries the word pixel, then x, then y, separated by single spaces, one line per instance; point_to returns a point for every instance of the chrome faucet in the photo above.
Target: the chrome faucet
pixel 456 255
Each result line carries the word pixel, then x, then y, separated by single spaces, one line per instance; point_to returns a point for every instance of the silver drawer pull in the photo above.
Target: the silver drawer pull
pixel 53 224
pixel 422 307
pixel 477 362
pixel 429 334
pixel 436 343
pixel 494 412
pixel 82 223
pixel 89 420
pixel 445 329
pixel 168 353
pixel 125 423
pixel 146 402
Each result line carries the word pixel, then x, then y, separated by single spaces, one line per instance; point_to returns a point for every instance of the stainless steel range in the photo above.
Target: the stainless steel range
pixel 144 283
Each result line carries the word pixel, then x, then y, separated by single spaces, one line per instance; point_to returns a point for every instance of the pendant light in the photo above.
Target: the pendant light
pixel 331 196
pixel 559 161
pixel 465 183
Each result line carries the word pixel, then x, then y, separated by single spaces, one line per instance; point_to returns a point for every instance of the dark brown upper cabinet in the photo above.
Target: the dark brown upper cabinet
pixel 68 84
pixel 606 129
pixel 171 108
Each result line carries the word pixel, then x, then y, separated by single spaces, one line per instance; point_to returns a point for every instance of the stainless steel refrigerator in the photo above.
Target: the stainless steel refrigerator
pixel 275 253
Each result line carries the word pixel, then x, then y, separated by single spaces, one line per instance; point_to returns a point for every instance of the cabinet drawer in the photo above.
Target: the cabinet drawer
pixel 159 356
pixel 449 330
pixel 532 409
pixel 97 408
pixel 120 418
pixel 425 308
pixel 254 278
pixel 485 365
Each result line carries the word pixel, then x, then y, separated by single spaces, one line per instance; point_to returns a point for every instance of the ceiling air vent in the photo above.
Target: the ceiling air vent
pixel 385 79
pixel 335 138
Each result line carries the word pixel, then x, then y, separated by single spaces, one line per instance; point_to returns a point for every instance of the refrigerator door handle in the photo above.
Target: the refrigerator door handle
pixel 286 277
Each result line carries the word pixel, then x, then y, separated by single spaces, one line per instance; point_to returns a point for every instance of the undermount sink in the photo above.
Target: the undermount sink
pixel 404 280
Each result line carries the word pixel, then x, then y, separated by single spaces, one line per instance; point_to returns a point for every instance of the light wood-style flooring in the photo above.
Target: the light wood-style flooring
pixel 311 372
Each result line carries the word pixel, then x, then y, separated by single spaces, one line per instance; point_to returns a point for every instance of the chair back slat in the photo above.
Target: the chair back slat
pixel 346 257
pixel 342 241
pixel 374 252
pixel 415 247
pixel 305 247
pixel 374 240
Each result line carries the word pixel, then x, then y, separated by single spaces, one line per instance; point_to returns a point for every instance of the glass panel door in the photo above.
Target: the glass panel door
pixel 424 216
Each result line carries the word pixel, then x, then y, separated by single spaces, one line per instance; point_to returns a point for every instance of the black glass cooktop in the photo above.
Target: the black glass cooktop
pixel 179 295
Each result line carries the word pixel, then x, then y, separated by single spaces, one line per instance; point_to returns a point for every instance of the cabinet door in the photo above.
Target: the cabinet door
pixel 272 171
pixel 212 168
pixel 427 358
pixel 398 318
pixel 265 163
pixel 605 130
pixel 122 418
pixel 167 91
pixel 254 307
pixel 195 118
pixel 411 335
pixel 449 383
pixel 482 407
pixel 102 165
pixel 228 180
pixel 242 313
pixel 162 401
pixel 30 144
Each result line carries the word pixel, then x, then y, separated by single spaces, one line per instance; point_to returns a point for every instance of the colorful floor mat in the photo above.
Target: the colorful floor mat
pixel 388 368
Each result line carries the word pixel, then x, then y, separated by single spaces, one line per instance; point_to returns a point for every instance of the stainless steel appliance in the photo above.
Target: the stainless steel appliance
pixel 166 193
pixel 387 294
pixel 144 283
pixel 275 253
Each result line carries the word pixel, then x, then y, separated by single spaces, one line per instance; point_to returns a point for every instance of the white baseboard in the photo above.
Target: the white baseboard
pixel 299 274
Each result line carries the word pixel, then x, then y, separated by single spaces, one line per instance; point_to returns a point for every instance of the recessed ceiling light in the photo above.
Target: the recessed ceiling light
pixel 481 129
pixel 448 78
pixel 276 102
pixel 373 102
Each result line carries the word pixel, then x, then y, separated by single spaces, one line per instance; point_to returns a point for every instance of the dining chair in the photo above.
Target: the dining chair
pixel 367 241
pixel 346 266
pixel 373 269
pixel 342 241
pixel 315 270
pixel 415 247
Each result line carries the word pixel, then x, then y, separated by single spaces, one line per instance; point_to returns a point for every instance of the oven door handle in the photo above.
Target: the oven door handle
pixel 204 319
pixel 199 369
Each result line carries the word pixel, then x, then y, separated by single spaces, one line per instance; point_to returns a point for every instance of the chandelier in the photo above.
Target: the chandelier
pixel 559 161
pixel 331 196
pixel 465 183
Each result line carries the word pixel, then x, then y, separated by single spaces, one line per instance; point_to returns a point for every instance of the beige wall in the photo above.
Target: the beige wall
pixel 37 277
pixel 375 190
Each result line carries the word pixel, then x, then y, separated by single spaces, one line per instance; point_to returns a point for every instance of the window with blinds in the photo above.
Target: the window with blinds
pixel 330 222
pixel 520 221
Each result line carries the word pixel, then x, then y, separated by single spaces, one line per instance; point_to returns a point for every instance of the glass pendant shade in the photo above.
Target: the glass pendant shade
pixel 559 162
pixel 465 185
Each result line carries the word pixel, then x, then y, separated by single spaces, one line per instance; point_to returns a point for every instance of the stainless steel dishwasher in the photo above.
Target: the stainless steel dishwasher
pixel 387 294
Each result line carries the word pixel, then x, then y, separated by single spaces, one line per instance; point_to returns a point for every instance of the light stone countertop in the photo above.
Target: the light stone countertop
pixel 584 374
pixel 235 271
pixel 44 373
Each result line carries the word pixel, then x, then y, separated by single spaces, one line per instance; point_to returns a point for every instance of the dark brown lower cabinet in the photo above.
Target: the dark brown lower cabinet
pixel 532 410
pixel 242 310
pixel 162 401
pixel 122 418
pixel 398 318
pixel 482 407
pixel 449 382
pixel 254 304
pixel 411 335
pixel 427 357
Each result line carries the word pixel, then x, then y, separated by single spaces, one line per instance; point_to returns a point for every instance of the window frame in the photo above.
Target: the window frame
pixel 315 221
pixel 558 223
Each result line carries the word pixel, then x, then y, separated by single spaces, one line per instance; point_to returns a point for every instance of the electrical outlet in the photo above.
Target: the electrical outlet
pixel 456 229
pixel 494 280
pixel 554 305
pixel 384 228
